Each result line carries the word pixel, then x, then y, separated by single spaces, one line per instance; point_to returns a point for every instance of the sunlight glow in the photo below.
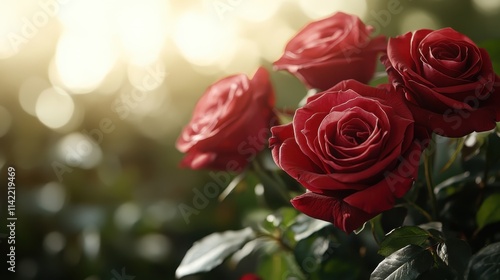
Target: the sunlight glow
pixel 280 36
pixel 54 107
pixel 29 92
pixel 83 60
pixel 201 39
pixel 320 8
pixel 142 26
pixel 87 16
pixel 9 29
pixel 245 58
pixel 253 11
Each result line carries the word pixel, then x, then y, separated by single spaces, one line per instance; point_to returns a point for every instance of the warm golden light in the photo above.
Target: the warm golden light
pixel 321 8
pixel 54 108
pixel 6 122
pixel 202 39
pixel 79 150
pixel 252 10
pixel 83 60
pixel 29 92
pixel 142 28
pixel 9 25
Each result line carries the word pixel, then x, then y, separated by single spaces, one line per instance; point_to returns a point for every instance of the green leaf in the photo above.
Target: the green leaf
pixel 438 273
pixel 279 220
pixel 265 244
pixel 485 264
pixel 212 250
pixel 473 143
pixel 438 226
pixel 459 145
pixel 379 78
pixel 455 253
pixel 286 216
pixel 393 218
pixel 280 265
pixel 305 226
pixel 489 212
pixel 312 252
pixel 407 263
pixel 338 268
pixel 452 185
pixel 400 237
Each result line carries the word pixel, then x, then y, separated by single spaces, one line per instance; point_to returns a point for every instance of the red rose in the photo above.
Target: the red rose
pixel 447 80
pixel 250 276
pixel 230 123
pixel 353 148
pixel 328 51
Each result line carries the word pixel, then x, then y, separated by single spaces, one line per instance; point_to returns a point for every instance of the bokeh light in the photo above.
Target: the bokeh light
pixel 147 77
pixel 280 36
pixel 91 242
pixel 46 103
pixel 29 92
pixel 83 60
pixel 9 28
pixel 127 215
pixel 142 26
pixel 245 58
pixel 65 66
pixel 489 7
pixel 202 39
pixel 253 11
pixel 54 242
pixel 320 8
pixel 51 197
pixel 79 150
pixel 153 247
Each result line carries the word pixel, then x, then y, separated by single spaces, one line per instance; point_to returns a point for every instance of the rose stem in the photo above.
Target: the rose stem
pixel 428 179
pixel 265 177
pixel 419 209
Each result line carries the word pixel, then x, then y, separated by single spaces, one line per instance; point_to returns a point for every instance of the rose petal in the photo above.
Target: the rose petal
pixel 330 209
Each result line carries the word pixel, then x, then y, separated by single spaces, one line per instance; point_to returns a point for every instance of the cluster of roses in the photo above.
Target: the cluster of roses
pixel 354 147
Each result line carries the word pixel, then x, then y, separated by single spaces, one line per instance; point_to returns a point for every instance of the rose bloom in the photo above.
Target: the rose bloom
pixel 330 50
pixel 353 148
pixel 447 80
pixel 230 123
pixel 250 276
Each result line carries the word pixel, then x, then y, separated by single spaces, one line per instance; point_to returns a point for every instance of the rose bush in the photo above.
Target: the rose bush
pixel 356 150
pixel 348 146
pixel 447 80
pixel 330 50
pixel 230 123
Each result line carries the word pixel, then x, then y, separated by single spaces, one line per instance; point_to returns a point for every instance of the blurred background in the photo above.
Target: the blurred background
pixel 94 93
